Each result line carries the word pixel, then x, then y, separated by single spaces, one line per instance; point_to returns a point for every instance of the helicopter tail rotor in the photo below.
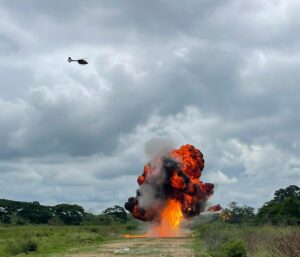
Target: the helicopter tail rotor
pixel 70 59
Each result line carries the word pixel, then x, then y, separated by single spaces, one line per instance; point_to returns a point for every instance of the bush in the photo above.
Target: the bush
pixel 93 229
pixel 234 248
pixel 14 248
pixel 131 227
pixel 29 246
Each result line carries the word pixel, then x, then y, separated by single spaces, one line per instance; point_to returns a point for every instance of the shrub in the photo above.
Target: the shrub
pixel 14 248
pixel 29 246
pixel 131 227
pixel 93 229
pixel 234 248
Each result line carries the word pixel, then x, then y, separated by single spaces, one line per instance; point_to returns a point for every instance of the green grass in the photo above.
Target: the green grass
pixel 52 240
pixel 211 237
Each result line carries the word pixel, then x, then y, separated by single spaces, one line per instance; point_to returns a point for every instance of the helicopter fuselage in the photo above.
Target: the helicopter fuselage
pixel 80 61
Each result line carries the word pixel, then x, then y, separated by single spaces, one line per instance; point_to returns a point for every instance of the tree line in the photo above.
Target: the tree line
pixel 16 212
pixel 284 208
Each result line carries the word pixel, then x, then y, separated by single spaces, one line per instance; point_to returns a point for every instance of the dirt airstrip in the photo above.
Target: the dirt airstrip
pixel 142 247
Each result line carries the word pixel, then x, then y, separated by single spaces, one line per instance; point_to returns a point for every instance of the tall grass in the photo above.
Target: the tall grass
pixel 260 241
pixel 44 240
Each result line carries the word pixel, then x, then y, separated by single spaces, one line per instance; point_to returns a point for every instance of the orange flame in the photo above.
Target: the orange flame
pixel 169 223
pixel 170 220
pixel 225 216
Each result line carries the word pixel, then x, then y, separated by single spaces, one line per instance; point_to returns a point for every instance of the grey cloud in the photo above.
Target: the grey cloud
pixel 200 72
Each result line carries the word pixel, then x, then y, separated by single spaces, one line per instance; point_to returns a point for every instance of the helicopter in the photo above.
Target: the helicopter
pixel 80 61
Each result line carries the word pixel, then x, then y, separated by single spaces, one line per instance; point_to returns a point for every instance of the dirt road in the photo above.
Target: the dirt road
pixel 143 247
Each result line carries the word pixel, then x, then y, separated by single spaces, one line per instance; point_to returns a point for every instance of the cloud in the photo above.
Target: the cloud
pixel 222 76
pixel 220 178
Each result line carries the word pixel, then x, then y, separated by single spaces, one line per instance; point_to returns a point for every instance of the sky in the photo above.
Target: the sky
pixel 221 75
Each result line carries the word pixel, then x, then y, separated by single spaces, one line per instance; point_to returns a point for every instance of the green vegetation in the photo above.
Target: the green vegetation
pixel 19 213
pixel 116 212
pixel 42 231
pixel 284 208
pixel 24 246
pixel 45 240
pixel 33 229
pixel 239 214
pixel 234 248
pixel 15 212
pixel 273 232
pixel 221 239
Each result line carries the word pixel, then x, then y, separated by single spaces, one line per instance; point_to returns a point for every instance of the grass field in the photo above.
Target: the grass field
pixel 56 239
pixel 205 240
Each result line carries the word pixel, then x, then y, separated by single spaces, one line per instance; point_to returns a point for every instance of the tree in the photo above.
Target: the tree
pixel 33 213
pixel 290 192
pixel 116 212
pixel 284 208
pixel 4 216
pixel 69 214
pixel 239 214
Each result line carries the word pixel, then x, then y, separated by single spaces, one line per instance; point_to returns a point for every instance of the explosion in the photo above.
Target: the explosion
pixel 170 189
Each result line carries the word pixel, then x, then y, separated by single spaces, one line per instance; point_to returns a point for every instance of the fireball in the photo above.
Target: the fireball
pixel 170 190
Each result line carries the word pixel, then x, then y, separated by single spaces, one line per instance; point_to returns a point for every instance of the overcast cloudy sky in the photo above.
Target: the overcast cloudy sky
pixel 222 75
